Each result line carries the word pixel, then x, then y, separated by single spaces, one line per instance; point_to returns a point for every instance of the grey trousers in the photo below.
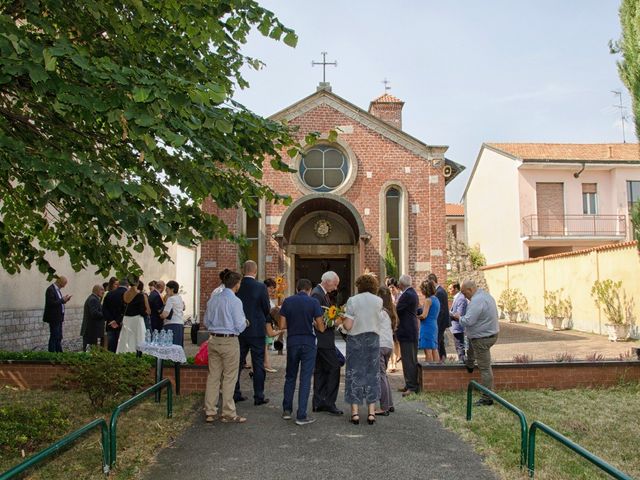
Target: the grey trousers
pixel 480 352
pixel 386 400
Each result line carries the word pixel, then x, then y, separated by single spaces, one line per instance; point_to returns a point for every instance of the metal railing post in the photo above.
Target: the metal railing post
pixel 113 424
pixel 64 441
pixel 584 453
pixel 473 385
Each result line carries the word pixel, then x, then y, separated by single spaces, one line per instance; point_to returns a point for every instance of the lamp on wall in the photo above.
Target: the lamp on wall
pixel 577 174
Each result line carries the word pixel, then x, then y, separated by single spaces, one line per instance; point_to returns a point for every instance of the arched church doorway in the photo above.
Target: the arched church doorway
pixel 319 233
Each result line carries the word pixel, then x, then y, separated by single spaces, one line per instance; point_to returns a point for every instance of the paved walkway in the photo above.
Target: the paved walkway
pixel 410 443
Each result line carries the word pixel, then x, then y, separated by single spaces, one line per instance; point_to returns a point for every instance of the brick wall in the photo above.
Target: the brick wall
pixel 25 330
pixel 385 161
pixel 531 376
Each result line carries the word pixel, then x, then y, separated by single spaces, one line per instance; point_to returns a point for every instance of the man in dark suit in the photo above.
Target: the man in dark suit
pixel 407 334
pixel 113 311
pixel 54 303
pixel 92 329
pixel 157 305
pixel 256 306
pixel 326 376
pixel 444 321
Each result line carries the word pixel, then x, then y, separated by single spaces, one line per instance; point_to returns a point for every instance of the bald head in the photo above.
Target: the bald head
pixel 250 268
pixel 468 289
pixel 61 281
pixel 98 290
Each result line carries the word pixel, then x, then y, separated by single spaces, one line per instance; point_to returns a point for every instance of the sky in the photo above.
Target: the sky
pixel 468 71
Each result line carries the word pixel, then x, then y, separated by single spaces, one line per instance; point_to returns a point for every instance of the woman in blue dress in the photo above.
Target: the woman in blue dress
pixel 429 322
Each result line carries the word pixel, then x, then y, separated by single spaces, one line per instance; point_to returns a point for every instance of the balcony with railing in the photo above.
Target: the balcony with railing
pixel 575 226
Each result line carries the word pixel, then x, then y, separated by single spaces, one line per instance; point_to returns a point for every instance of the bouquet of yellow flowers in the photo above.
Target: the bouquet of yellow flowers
pixel 331 314
pixel 281 288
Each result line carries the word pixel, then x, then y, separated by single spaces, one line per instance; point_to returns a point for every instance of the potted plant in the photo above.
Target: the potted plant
pixel 512 302
pixel 556 309
pixel 606 294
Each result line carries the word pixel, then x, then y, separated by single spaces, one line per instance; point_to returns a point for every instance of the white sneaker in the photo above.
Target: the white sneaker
pixel 305 421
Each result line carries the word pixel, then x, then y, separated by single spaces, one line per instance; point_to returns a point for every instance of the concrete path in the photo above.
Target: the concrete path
pixel 410 443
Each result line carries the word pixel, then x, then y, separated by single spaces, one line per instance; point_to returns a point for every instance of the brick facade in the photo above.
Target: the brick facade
pixel 383 156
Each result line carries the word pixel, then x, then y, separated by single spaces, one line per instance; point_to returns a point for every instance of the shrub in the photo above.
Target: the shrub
pixel 595 357
pixel 390 262
pixel 522 358
pixel 477 258
pixel 555 305
pixel 564 357
pixel 106 377
pixel 512 300
pixel 31 428
pixel 606 294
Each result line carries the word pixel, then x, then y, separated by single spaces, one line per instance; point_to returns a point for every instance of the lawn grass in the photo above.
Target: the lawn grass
pixel 604 421
pixel 142 431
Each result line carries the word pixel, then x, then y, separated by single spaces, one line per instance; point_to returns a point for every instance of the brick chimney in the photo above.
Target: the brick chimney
pixel 388 109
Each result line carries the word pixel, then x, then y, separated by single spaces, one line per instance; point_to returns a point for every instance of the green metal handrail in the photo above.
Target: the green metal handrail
pixel 523 419
pixel 597 461
pixel 132 401
pixel 64 441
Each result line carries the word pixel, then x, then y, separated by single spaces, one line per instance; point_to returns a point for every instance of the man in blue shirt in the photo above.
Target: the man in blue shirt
pixel 225 320
pixel 299 314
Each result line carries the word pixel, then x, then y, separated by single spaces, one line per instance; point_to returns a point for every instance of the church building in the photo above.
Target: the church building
pixel 374 185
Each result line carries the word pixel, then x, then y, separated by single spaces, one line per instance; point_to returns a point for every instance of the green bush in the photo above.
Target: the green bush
pixel 31 428
pixel 107 378
pixel 390 262
pixel 477 258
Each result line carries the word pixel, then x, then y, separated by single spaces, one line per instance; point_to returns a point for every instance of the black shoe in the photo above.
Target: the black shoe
pixel 319 409
pixel 371 419
pixel 403 389
pixel 382 413
pixel 469 369
pixel 483 402
pixel 264 401
pixel 355 419
pixel 392 409
pixel 239 399
pixel 334 411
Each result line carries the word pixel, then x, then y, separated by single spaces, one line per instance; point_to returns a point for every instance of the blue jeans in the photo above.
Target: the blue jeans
pixel 178 333
pixel 55 336
pixel 303 357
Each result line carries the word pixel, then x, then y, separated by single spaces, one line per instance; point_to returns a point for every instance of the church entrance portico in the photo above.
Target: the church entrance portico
pixel 319 233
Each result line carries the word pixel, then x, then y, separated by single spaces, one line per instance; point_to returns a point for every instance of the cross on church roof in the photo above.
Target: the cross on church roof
pixel 324 64
pixel 386 83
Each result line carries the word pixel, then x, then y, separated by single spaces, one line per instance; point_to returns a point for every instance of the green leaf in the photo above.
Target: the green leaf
pixel 141 94
pixel 114 190
pixel 149 191
pixel 291 39
pixel 223 126
pixel 49 60
pixel 36 73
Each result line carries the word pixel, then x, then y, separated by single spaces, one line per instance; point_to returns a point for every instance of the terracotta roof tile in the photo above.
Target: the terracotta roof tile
pixel 600 248
pixel 571 151
pixel 387 98
pixel 454 209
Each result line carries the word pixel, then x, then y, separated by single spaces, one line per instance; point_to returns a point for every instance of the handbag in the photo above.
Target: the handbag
pixel 202 357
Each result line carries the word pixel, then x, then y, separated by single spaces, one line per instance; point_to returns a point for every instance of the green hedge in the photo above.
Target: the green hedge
pixel 66 357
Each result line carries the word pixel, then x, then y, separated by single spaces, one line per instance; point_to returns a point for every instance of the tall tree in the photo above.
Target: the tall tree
pixel 117 122
pixel 629 47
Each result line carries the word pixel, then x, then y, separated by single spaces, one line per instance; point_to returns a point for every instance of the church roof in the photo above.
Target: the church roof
pixel 386 98
pixel 325 96
pixel 454 210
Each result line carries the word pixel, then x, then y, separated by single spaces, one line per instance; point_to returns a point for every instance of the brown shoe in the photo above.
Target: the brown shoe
pixel 212 418
pixel 407 393
pixel 236 419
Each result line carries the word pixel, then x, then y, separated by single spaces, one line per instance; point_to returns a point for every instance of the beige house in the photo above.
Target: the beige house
pixel 527 200
pixel 455 219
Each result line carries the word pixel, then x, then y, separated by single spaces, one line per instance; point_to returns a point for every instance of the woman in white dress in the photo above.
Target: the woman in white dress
pixel 133 329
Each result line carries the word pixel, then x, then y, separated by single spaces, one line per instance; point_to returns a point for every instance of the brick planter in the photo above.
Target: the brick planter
pixel 530 376
pixel 27 375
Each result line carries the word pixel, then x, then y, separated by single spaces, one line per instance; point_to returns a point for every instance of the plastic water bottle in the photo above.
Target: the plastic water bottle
pixel 154 337
pixel 163 338
pixel 147 336
pixel 169 337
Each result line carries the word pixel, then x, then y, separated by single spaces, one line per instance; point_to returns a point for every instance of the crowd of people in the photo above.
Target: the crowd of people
pixel 117 313
pixel 383 325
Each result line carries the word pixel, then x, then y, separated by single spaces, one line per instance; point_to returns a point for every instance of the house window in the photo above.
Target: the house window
pixel 323 168
pixel 633 192
pixel 589 198
pixel 393 215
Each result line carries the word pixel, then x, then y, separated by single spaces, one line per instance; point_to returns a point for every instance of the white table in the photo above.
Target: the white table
pixel 175 353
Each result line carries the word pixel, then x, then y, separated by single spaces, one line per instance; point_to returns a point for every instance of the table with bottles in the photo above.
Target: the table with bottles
pixel 159 344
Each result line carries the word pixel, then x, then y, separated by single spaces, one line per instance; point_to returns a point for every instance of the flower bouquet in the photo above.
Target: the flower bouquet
pixel 281 288
pixel 331 314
